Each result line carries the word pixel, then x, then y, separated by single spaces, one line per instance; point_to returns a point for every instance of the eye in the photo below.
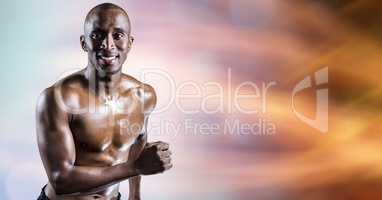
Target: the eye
pixel 95 36
pixel 119 36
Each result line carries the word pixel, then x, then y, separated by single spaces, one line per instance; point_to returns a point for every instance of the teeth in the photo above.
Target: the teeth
pixel 108 58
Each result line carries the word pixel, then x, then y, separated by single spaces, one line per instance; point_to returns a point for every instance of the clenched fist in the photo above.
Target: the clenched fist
pixel 155 158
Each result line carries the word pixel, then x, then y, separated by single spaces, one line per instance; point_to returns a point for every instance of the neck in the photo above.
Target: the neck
pixel 102 84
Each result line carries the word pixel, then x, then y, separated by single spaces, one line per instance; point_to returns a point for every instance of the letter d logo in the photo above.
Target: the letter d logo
pixel 320 122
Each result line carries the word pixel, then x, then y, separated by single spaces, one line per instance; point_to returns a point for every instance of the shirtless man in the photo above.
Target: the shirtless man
pixel 91 125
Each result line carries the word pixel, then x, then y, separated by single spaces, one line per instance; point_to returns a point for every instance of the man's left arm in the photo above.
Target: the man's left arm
pixel 148 98
pixel 134 182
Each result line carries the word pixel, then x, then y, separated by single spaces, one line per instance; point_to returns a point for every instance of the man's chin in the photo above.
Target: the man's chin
pixel 109 69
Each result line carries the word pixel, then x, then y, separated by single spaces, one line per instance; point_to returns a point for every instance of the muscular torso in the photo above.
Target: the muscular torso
pixel 104 128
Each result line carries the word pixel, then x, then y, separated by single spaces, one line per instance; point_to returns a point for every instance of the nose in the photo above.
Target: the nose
pixel 108 43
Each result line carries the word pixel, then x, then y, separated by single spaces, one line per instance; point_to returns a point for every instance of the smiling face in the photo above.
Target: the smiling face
pixel 107 39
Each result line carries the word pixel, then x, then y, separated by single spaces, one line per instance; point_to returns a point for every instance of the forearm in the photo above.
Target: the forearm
pixel 134 182
pixel 134 187
pixel 79 179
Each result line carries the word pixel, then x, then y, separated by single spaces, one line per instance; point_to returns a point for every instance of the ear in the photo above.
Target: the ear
pixel 83 43
pixel 131 40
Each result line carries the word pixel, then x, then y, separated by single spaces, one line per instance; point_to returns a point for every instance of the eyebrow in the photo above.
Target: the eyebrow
pixel 116 29
pixel 96 30
pixel 120 30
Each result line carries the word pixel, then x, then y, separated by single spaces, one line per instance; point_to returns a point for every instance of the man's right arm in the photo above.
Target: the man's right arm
pixel 58 153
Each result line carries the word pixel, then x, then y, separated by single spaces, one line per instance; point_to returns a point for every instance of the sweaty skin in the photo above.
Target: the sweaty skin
pixel 91 125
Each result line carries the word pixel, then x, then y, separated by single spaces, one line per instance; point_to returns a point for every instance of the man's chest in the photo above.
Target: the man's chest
pixel 115 122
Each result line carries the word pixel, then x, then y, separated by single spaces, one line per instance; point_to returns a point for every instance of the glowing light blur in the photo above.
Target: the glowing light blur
pixel 260 41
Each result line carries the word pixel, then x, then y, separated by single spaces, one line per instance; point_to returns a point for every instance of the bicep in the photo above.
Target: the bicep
pixel 55 140
pixel 147 96
pixel 149 99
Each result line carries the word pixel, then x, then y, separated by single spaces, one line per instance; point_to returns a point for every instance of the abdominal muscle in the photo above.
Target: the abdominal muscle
pixel 110 193
pixel 111 156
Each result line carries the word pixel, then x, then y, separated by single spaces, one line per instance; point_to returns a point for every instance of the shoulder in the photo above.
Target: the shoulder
pixel 49 109
pixel 145 92
pixel 63 94
pixel 72 83
pixel 45 99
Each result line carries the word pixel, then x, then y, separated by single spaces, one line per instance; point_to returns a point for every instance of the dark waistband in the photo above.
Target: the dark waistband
pixel 44 197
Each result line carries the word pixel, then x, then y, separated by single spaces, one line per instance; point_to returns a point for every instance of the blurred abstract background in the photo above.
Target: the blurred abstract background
pixel 201 41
